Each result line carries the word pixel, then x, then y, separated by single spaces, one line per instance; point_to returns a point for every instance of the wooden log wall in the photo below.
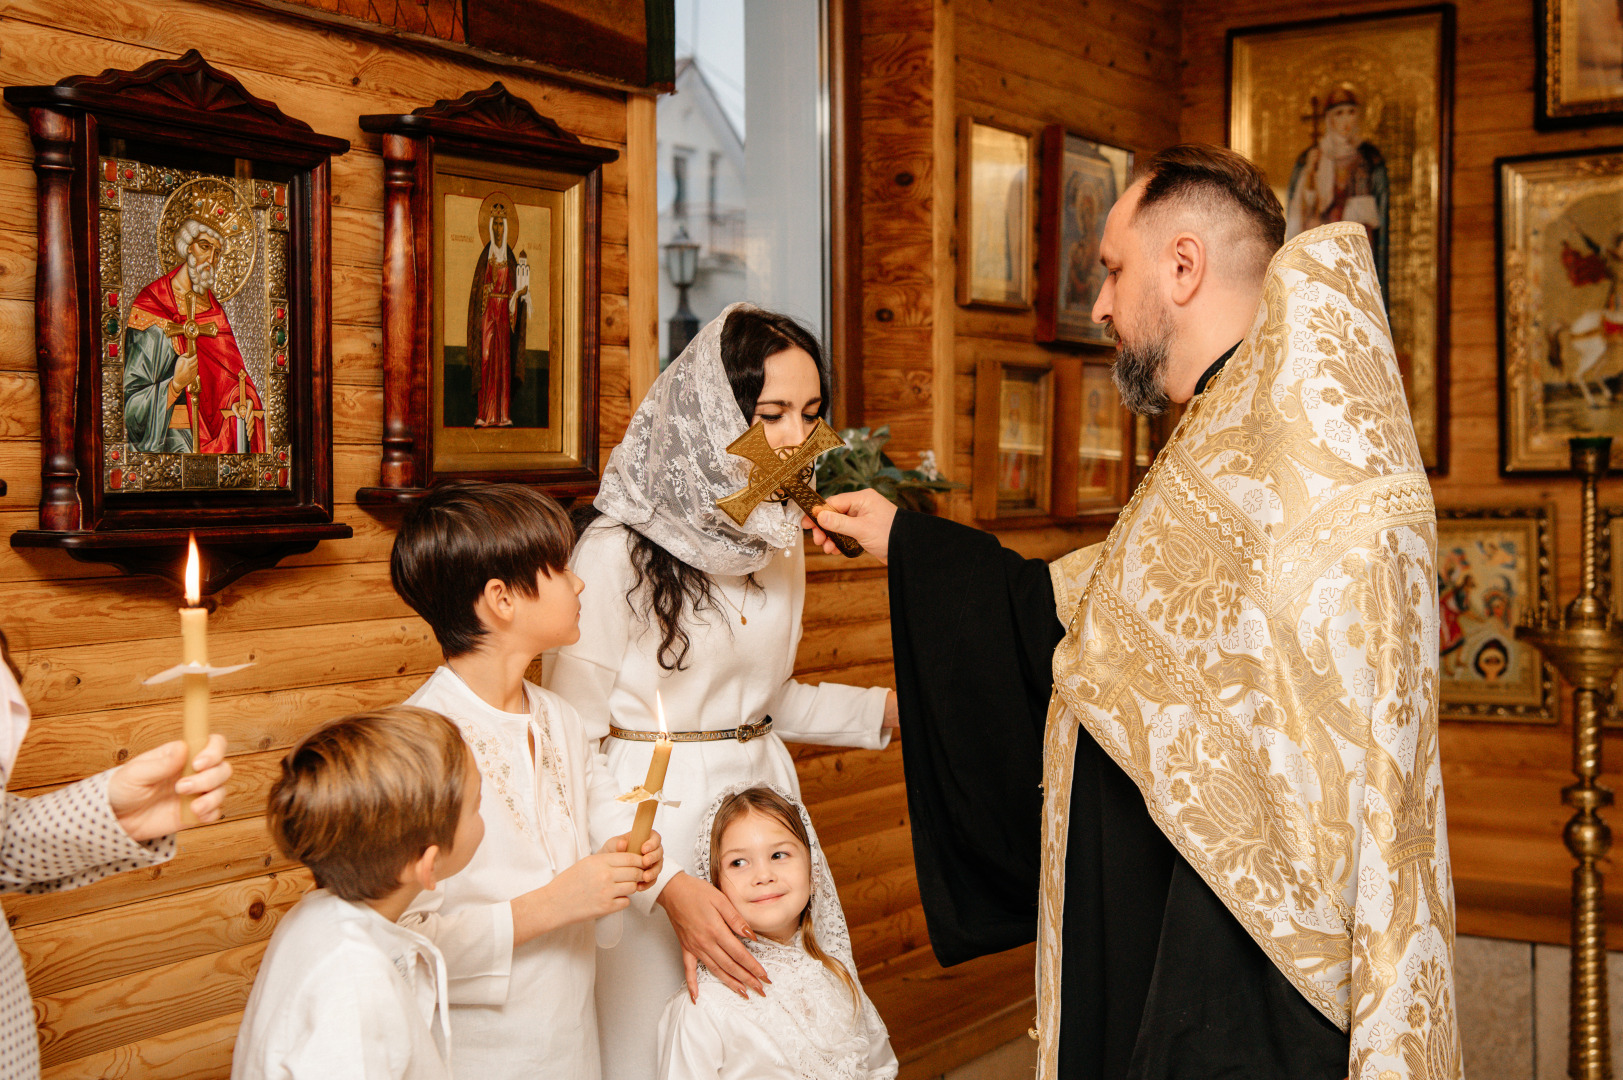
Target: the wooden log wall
pixel 1502 781
pixel 145 974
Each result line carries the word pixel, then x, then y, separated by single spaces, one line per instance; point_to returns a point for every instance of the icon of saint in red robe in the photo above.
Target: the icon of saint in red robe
pixel 186 388
pixel 498 315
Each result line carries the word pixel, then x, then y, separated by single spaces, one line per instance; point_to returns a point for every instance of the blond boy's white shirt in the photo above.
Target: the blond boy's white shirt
pixel 344 994
pixel 518 1012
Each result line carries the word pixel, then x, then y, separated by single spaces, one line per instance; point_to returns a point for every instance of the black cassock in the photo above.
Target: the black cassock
pixel 1158 979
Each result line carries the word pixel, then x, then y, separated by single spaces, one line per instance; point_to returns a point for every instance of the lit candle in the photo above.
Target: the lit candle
pixel 194 649
pixel 644 825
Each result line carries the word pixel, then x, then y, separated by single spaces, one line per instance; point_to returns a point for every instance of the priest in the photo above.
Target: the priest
pixel 1197 762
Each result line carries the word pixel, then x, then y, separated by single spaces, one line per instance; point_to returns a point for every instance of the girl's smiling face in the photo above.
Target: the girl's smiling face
pixel 765 873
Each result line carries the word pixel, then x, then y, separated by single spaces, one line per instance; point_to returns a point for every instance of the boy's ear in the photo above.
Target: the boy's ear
pixel 421 870
pixel 497 599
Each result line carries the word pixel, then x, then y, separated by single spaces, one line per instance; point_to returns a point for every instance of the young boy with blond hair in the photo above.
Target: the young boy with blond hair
pixel 486 565
pixel 380 806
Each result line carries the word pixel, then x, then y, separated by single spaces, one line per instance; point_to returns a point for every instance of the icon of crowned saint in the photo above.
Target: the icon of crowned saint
pixel 186 387
pixel 498 313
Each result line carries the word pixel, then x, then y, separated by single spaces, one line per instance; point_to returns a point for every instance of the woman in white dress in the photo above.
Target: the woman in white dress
pixel 758 847
pixel 681 601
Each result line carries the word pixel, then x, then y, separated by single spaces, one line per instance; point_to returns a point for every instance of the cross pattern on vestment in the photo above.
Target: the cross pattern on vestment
pixel 786 473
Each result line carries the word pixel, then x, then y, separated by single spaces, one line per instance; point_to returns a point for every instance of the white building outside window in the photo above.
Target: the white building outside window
pixel 747 66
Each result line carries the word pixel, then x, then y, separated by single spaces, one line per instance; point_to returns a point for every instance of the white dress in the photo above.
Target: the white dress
pixel 344 994
pixel 518 1013
pixel 805 1028
pixel 735 674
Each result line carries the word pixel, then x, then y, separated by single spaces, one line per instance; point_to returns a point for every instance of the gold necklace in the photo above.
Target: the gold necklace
pixel 722 593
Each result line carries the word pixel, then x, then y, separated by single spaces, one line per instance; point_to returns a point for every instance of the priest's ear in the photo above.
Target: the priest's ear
pixel 1189 266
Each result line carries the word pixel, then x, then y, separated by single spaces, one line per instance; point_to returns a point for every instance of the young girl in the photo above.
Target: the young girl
pixel 758 847
pixel 682 602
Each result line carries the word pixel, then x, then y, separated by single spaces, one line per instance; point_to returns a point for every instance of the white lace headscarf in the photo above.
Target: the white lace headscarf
pixel 664 478
pixel 828 920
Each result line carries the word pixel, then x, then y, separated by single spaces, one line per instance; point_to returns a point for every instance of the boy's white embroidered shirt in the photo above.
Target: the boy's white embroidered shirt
pixel 517 1010
pixel 344 994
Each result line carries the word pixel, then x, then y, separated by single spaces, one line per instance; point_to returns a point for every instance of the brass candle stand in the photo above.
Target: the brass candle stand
pixel 1586 647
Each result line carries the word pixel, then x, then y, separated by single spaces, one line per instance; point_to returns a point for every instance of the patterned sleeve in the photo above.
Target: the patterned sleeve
pixel 70 837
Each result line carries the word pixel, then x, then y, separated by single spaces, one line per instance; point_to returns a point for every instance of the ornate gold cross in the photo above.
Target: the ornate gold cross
pixel 186 334
pixel 783 474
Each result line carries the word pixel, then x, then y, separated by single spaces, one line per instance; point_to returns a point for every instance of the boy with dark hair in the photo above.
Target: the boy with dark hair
pixel 380 806
pixel 486 565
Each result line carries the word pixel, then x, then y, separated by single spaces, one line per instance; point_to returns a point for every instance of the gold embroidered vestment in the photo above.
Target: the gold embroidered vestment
pixel 1255 644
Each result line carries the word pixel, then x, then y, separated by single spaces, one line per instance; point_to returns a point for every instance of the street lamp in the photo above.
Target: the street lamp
pixel 682 264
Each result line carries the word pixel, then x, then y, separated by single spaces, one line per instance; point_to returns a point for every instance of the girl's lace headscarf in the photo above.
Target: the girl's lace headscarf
pixel 664 478
pixel 833 936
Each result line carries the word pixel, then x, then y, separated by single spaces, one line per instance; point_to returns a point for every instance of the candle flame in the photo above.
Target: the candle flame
pixel 194 589
pixel 659 704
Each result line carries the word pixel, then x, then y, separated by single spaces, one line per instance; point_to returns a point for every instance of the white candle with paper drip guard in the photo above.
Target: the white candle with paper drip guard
pixel 193 668
pixel 194 653
pixel 649 796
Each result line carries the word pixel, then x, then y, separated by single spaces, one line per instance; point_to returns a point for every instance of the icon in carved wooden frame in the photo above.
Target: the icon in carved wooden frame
pixel 1494 571
pixel 492 249
pixel 183 321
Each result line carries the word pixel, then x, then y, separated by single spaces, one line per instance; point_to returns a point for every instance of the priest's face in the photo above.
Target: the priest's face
pixel 1131 305
pixel 765 872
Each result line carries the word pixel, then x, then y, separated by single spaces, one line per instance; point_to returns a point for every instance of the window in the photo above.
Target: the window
pixel 751 107
pixel 679 178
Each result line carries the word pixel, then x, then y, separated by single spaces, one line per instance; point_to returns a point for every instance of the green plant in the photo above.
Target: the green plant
pixel 862 463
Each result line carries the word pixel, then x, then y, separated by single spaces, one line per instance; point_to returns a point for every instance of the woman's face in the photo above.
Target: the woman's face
pixel 765 872
pixel 791 398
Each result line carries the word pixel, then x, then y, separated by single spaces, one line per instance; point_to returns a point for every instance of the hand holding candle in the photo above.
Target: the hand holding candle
pixel 644 824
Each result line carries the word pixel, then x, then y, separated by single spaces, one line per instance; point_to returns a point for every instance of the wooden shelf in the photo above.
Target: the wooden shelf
pixel 227 552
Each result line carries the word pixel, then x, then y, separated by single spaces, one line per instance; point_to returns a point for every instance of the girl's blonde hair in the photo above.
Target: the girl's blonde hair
pixel 762 800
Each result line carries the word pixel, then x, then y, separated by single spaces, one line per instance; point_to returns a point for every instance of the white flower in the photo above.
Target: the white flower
pixel 927 465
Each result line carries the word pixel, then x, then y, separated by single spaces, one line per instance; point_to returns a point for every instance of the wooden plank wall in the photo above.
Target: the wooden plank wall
pixel 1099 68
pixel 1502 781
pixel 145 974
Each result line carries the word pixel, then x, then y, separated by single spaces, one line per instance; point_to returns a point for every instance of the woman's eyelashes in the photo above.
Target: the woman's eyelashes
pixel 771 418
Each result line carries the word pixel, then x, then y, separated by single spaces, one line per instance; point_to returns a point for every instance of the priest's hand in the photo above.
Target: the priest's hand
pixel 653 856
pixel 865 516
pixel 709 929
pixel 146 791
pixel 893 713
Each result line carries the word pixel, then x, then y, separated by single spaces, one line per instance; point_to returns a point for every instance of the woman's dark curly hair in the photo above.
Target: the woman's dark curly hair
pixel 748 338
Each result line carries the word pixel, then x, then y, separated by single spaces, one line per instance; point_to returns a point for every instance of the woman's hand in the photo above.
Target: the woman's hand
pixel 146 791
pixel 893 715
pixel 709 929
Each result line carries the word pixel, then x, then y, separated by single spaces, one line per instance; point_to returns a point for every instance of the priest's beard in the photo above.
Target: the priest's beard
pixel 1141 366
